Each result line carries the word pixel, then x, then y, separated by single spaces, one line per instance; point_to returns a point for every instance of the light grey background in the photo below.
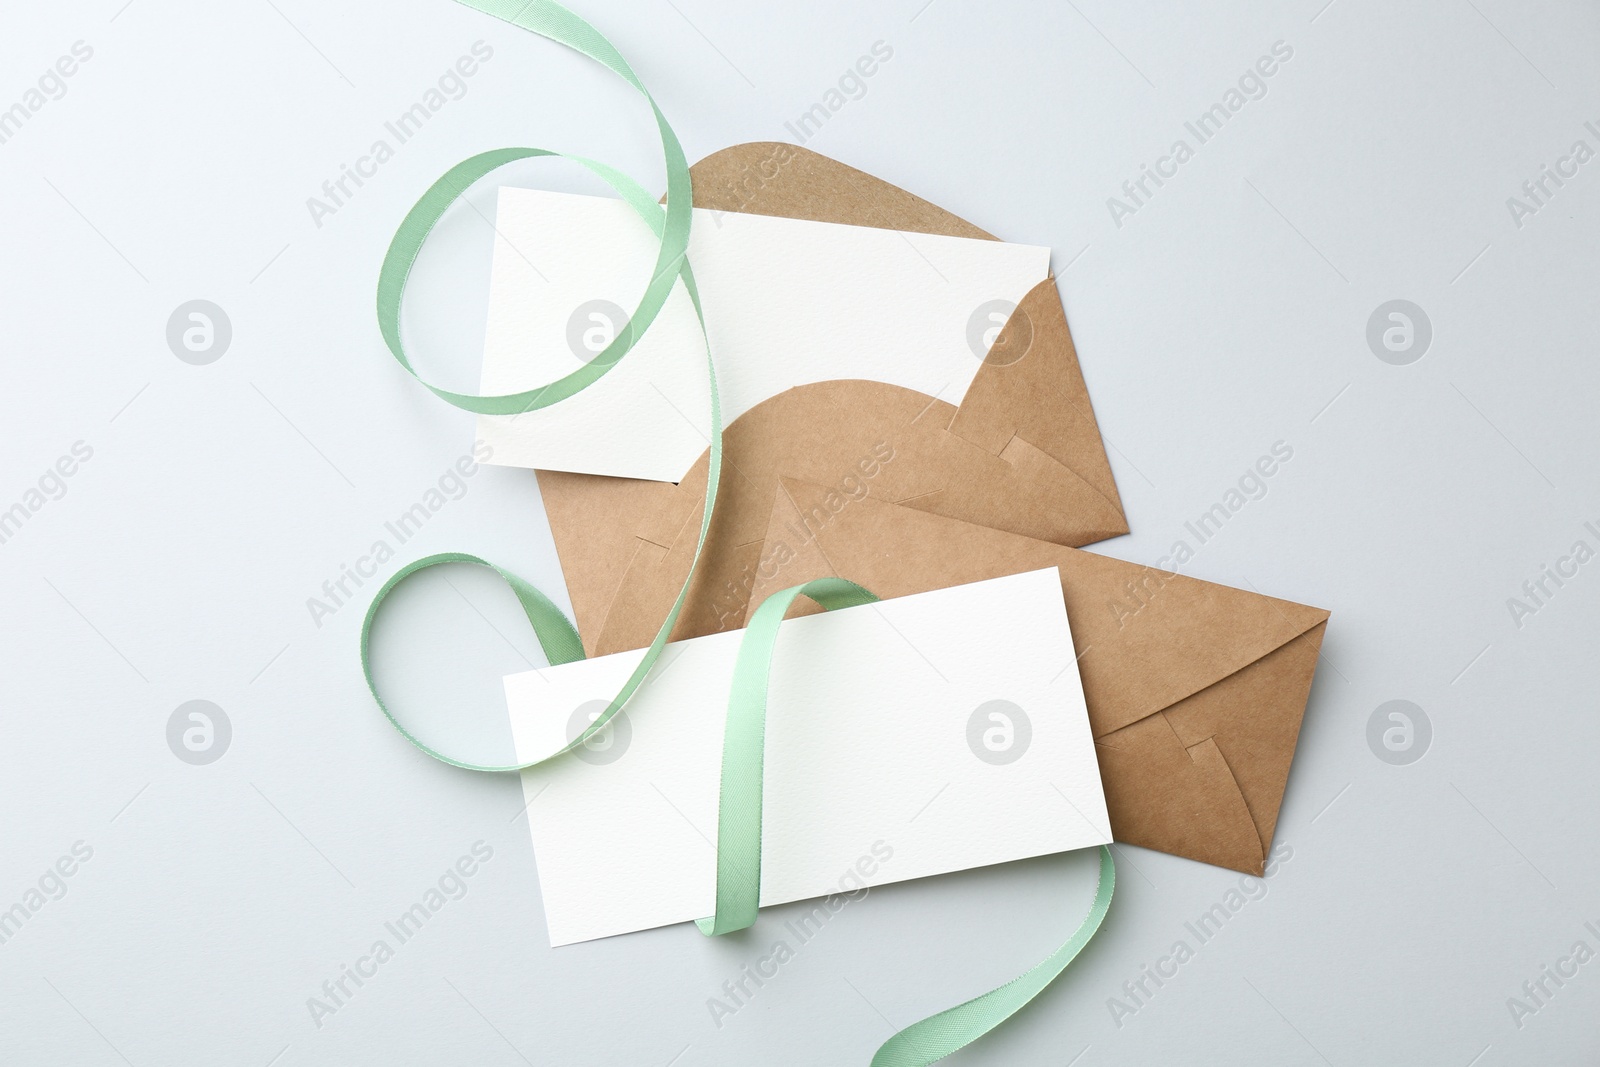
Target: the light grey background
pixel 1228 313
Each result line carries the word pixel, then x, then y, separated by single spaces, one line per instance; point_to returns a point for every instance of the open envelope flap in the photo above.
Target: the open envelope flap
pixel 775 178
pixel 1027 406
pixel 1195 691
pixel 859 439
pixel 1030 391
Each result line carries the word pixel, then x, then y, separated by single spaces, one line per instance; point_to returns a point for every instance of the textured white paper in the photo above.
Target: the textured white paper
pixel 787 302
pixel 867 752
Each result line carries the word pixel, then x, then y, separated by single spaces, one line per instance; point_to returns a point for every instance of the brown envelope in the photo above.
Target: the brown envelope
pixel 1022 452
pixel 1195 691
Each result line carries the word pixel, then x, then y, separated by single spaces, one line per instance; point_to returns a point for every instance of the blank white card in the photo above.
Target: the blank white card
pixel 913 737
pixel 787 302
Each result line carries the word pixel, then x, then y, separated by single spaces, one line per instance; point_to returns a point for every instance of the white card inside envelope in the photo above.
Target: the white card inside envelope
pixel 947 729
pixel 787 302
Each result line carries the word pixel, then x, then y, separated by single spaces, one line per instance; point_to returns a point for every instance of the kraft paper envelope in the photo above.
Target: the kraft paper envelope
pixel 946 731
pixel 1021 452
pixel 1195 690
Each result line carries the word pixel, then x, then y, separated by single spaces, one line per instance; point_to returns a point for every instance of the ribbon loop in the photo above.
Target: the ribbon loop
pixel 557 637
pixel 426 213
pixel 670 224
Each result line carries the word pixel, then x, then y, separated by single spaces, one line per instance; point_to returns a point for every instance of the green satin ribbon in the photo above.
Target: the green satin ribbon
pixel 740 796
pixel 670 224
pixel 937 1036
pixel 744 741
pixel 739 808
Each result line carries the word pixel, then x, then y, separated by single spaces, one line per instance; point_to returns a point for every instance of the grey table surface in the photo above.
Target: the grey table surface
pixel 1439 486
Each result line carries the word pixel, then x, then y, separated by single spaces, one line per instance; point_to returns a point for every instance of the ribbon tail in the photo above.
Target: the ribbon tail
pixel 937 1036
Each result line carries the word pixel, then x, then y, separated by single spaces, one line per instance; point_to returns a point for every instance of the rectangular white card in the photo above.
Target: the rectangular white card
pixel 787 302
pixel 917 736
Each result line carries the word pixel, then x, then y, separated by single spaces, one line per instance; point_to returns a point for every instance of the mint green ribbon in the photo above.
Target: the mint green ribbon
pixel 743 757
pixel 670 224
pixel 744 741
pixel 739 809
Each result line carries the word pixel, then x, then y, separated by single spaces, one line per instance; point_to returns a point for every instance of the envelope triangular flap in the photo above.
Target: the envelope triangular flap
pixel 1031 389
pixel 1187 802
pixel 1244 715
pixel 1205 778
